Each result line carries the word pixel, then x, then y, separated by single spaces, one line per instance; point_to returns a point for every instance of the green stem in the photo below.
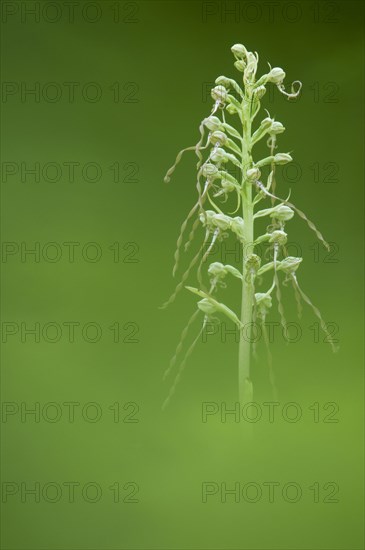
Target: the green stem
pixel 245 386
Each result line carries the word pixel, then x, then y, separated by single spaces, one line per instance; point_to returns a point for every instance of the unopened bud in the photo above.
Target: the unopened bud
pixel 259 92
pixel 282 158
pixel 237 225
pixel 290 264
pixel 232 110
pixel 221 221
pixel 219 155
pixel 218 137
pixel 216 269
pixel 263 301
pixel 279 237
pixel 219 93
pixel 240 65
pixel 239 51
pixel 253 174
pixel 276 128
pixel 282 213
pixel 276 75
pixel 227 187
pixel 250 71
pixel 213 123
pixel 209 171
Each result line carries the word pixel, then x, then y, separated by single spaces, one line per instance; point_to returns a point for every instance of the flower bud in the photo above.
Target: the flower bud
pixel 209 171
pixel 221 221
pixel 276 128
pixel 239 51
pixel 231 109
pixel 213 220
pixel 282 158
pixel 216 269
pixel 237 226
pixel 279 237
pixel 219 155
pixel 213 123
pixel 218 137
pixel 263 301
pixel 206 306
pixel 282 213
pixel 253 174
pixel 250 71
pixel 259 92
pixel 290 264
pixel 227 186
pixel 219 93
pixel 276 75
pixel 240 65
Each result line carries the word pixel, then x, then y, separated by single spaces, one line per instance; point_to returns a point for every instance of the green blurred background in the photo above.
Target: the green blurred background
pixel 151 64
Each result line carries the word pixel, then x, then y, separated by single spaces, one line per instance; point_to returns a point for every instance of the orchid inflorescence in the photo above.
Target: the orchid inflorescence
pixel 226 147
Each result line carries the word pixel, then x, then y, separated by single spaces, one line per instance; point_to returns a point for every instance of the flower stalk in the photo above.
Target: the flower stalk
pixel 247 300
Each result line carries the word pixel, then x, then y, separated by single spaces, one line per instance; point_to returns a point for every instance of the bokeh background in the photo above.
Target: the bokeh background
pixel 124 86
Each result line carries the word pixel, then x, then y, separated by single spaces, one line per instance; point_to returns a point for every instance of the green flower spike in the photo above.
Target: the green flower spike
pixel 227 137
